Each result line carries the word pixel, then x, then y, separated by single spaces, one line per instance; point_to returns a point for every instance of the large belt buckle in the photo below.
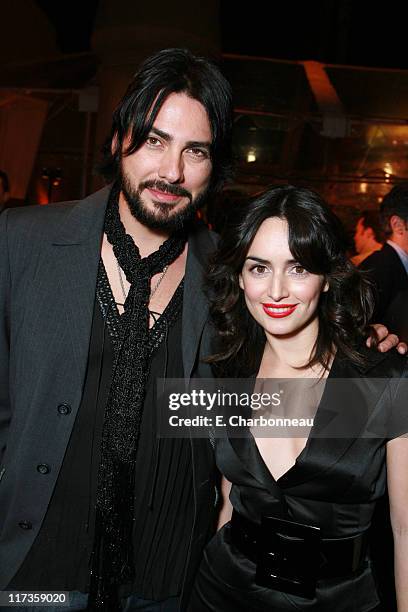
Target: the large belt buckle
pixel 288 556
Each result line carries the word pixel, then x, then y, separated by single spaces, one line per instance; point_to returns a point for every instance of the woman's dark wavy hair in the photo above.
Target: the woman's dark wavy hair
pixel 318 242
pixel 172 71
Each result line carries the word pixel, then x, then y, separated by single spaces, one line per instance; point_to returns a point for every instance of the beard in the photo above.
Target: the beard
pixel 162 218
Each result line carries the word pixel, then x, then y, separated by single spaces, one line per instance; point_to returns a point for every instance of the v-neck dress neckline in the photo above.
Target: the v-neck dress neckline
pixel 302 456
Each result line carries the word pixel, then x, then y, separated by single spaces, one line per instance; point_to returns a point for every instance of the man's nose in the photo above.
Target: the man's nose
pixel 171 166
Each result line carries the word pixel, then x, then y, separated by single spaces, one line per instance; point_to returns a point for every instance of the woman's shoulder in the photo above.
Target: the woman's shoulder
pixel 377 365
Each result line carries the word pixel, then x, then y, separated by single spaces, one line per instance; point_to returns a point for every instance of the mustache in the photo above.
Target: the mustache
pixel 166 188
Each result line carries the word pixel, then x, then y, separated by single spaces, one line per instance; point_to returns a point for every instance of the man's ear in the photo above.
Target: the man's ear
pixel 114 144
pixel 397 224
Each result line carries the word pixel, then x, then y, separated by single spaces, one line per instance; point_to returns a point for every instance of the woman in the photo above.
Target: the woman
pixel 287 304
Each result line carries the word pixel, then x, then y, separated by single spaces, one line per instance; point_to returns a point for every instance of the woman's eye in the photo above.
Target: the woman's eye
pixel 299 270
pixel 259 269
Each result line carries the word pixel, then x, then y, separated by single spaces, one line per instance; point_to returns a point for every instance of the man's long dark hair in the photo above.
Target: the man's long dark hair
pixel 172 71
pixel 318 242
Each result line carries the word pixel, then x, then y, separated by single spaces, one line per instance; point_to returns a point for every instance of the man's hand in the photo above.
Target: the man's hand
pixel 387 341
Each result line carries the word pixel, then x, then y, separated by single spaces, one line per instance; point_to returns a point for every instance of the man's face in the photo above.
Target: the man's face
pixel 167 178
pixel 361 236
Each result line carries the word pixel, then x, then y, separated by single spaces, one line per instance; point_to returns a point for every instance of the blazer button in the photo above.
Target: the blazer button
pixel 43 468
pixel 25 525
pixel 64 409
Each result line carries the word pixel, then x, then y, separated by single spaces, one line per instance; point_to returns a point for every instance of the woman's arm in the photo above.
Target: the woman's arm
pixel 397 475
pixel 226 507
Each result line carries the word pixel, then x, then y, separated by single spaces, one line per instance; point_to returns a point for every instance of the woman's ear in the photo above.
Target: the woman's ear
pixel 241 282
pixel 326 287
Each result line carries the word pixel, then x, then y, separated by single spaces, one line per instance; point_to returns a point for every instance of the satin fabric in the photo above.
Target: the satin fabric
pixel 334 485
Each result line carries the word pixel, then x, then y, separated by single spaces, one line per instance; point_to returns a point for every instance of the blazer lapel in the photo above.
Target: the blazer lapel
pixel 76 248
pixel 76 252
pixel 195 307
pixel 348 400
pixel 252 464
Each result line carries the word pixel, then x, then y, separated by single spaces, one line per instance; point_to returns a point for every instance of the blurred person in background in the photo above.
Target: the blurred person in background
pixel 388 270
pixel 388 267
pixel 368 235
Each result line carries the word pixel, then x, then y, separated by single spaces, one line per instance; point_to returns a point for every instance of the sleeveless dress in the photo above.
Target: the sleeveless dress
pixel 334 485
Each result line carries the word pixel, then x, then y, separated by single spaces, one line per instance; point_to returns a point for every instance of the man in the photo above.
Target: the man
pixel 4 190
pixel 367 236
pixel 389 266
pixel 388 269
pixel 98 299
pixel 94 304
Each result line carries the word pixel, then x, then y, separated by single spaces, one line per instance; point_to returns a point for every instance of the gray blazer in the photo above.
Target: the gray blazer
pixel 48 267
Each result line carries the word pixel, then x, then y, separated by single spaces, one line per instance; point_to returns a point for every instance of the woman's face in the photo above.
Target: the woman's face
pixel 279 293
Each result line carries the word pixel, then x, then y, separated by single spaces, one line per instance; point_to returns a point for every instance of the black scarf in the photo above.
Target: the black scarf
pixel 112 556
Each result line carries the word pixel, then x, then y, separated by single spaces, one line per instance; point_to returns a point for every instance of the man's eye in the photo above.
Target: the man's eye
pixel 199 153
pixel 152 141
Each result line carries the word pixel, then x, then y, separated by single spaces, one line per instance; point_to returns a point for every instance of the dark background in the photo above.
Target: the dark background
pixel 352 159
pixel 330 31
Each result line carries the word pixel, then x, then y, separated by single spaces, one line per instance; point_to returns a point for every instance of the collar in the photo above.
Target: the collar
pixel 83 219
pixel 403 255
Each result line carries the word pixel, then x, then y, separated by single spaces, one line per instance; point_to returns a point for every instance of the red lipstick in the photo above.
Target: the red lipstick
pixel 278 311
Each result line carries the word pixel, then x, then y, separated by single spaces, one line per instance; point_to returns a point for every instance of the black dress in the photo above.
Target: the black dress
pixel 334 485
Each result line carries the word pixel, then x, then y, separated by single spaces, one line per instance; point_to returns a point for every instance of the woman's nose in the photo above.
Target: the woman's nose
pixel 277 289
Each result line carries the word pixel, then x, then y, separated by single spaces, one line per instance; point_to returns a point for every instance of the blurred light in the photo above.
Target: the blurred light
pixel 387 169
pixel 41 193
pixel 363 187
pixel 251 155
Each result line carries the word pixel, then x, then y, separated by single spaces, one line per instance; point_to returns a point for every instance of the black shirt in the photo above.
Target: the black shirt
pixel 60 556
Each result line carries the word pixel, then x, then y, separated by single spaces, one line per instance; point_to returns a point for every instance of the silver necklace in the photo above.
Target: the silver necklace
pixel 152 292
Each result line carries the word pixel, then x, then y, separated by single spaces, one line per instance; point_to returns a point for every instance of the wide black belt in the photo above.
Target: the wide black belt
pixel 291 557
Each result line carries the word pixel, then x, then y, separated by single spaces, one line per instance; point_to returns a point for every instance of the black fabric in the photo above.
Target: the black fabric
pixel 163 495
pixel 59 558
pixel 163 502
pixel 52 282
pixel 334 485
pixel 112 556
pixel 389 276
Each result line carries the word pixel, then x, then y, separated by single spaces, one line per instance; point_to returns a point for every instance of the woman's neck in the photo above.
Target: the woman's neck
pixel 287 355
